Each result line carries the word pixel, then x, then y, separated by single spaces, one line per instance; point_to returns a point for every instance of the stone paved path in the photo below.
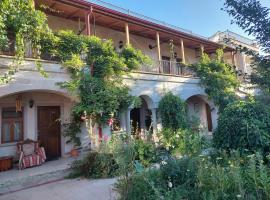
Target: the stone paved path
pixel 75 189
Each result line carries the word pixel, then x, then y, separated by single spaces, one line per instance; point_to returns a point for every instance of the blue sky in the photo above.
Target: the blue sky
pixel 203 17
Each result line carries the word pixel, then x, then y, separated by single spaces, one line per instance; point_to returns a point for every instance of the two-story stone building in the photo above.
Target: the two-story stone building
pixel 44 102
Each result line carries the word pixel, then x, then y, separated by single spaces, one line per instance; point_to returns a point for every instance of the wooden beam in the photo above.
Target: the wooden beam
pixel 127 34
pixel 202 49
pixel 183 51
pixel 158 46
pixel 87 23
pixel 233 58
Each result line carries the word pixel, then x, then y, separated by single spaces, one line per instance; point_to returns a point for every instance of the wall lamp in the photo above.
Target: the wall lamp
pixel 31 103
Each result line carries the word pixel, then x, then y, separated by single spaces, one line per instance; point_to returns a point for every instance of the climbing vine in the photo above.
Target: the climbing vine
pixel 19 19
pixel 96 74
pixel 218 78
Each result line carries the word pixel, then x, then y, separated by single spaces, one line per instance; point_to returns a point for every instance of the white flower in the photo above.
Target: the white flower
pixel 239 196
pixel 163 162
pixel 170 184
pixel 167 148
pixel 177 136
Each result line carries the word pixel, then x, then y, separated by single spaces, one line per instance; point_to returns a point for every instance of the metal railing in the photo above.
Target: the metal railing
pixel 168 68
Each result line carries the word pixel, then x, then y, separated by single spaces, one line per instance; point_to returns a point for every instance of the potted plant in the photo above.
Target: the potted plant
pixel 71 131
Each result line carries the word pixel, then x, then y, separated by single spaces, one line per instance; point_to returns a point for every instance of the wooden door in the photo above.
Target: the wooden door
pixel 49 130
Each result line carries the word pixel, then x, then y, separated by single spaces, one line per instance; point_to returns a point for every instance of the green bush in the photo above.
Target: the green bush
pixel 172 111
pixel 244 125
pixel 181 141
pixel 141 186
pixel 94 165
pixel 228 177
pixel 145 152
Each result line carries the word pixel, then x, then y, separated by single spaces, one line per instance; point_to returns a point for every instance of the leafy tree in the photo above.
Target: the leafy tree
pixel 243 125
pixel 218 78
pixel 254 18
pixel 172 112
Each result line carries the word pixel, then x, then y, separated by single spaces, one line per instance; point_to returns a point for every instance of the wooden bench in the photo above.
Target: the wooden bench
pixel 6 163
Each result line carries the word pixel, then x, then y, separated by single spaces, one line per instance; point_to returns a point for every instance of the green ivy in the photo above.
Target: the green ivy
pixel 96 73
pixel 20 18
pixel 218 78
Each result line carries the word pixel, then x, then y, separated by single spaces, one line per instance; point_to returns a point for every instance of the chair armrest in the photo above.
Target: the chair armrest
pixel 21 160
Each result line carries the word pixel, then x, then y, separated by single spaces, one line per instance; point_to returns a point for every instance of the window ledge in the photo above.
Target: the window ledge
pixel 8 144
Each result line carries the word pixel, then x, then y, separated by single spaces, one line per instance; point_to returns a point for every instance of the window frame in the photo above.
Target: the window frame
pixel 11 121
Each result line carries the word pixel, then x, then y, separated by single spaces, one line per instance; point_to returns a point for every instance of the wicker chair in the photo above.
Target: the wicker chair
pixel 30 154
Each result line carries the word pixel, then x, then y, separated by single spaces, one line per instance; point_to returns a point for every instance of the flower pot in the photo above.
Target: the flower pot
pixel 74 153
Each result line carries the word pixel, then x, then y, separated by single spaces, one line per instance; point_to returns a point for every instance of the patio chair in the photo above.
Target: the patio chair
pixel 30 154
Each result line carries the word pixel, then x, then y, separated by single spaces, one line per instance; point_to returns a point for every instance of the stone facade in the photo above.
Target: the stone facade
pixel 31 86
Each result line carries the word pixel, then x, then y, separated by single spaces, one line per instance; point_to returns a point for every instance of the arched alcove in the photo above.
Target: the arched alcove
pixel 141 118
pixel 200 110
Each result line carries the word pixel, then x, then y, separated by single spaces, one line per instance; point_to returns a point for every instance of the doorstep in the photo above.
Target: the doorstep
pixel 14 180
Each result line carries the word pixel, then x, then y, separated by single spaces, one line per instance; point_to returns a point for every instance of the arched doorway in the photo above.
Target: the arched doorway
pixel 199 110
pixel 36 115
pixel 141 118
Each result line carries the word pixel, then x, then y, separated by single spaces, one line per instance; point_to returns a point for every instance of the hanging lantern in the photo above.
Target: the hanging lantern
pixel 19 104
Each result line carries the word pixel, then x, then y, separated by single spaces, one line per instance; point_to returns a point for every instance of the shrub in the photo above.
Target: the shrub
pixel 172 112
pixel 94 165
pixel 244 125
pixel 141 186
pixel 183 141
pixel 229 177
pixel 145 152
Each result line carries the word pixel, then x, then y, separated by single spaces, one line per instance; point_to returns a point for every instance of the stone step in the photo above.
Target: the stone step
pixel 50 171
pixel 21 183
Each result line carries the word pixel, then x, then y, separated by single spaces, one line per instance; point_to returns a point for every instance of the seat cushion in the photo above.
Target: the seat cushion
pixel 28 149
pixel 32 160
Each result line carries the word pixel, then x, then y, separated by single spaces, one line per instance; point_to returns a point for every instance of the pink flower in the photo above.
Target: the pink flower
pixel 105 138
pixel 110 122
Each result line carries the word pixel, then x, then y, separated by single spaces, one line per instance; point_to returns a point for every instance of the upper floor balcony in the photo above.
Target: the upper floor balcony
pixel 164 67
pixel 167 67
pixel 125 27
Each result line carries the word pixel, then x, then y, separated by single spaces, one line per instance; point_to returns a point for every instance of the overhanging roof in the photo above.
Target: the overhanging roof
pixel 114 17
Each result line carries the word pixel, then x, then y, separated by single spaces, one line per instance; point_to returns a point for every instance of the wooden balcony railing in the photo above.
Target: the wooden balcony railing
pixel 158 67
pixel 168 68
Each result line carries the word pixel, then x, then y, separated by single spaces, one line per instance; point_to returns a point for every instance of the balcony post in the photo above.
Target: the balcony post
pixel 87 23
pixel 128 121
pixel 183 51
pixel 202 49
pixel 154 124
pixel 127 34
pixel 33 4
pixel 233 58
pixel 158 51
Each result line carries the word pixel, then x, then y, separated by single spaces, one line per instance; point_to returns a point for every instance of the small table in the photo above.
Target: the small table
pixel 6 163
